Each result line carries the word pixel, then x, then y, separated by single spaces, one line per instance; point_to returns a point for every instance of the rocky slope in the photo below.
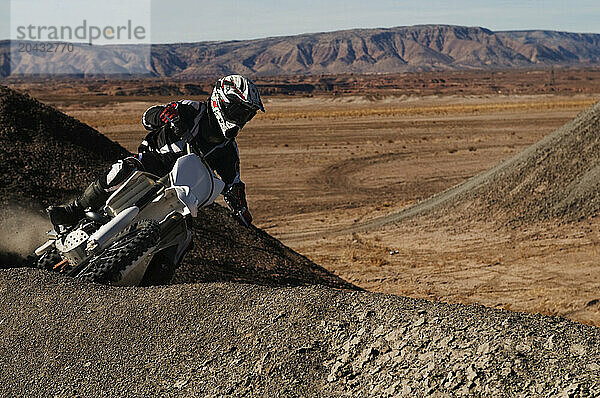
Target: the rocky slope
pixel 47 155
pixel 399 49
pixel 557 178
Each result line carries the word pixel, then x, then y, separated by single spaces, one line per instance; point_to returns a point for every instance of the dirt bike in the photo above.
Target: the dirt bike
pixel 144 218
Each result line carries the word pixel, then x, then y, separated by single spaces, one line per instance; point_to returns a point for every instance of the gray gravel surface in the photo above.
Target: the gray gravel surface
pixel 62 338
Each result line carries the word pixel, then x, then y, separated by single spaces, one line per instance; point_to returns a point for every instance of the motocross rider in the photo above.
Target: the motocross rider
pixel 209 127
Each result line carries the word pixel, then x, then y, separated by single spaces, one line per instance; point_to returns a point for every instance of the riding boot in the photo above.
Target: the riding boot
pixel 93 197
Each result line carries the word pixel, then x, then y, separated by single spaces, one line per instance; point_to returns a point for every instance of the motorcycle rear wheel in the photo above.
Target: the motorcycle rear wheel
pixel 108 267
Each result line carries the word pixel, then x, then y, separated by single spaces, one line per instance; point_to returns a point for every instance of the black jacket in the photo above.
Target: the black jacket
pixel 165 144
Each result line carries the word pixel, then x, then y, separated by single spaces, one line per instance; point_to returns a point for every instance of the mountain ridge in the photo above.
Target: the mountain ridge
pixel 374 50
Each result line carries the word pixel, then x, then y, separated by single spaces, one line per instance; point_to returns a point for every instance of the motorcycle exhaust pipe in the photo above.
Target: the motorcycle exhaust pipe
pixel 115 226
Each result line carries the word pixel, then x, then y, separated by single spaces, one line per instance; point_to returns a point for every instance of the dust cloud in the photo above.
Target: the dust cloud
pixel 22 230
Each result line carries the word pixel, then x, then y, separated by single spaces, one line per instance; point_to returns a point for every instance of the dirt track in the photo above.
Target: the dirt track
pixel 469 251
pixel 572 199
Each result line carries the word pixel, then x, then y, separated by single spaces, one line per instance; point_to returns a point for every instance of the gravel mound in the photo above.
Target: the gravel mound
pixel 63 338
pixel 49 157
pixel 557 178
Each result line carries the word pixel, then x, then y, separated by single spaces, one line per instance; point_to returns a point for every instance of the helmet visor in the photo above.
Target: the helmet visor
pixel 237 111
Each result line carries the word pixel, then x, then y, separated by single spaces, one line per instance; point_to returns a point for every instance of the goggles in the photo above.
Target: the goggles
pixel 237 111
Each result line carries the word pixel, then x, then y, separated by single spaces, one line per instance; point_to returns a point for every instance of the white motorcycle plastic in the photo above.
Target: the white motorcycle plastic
pixel 144 217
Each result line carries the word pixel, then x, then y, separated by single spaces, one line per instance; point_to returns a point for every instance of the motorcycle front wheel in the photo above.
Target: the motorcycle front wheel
pixel 122 255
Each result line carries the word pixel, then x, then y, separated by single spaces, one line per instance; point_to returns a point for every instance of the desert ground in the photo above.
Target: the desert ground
pixel 318 167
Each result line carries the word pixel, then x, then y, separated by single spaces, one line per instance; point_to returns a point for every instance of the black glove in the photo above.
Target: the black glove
pixel 235 197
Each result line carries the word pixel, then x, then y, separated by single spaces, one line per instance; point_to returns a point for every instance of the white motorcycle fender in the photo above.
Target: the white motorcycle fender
pixel 219 187
pixel 196 186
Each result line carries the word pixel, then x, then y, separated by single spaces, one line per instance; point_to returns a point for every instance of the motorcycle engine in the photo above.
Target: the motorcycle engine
pixel 72 246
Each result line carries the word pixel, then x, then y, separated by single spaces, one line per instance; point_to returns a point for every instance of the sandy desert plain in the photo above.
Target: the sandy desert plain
pixel 318 166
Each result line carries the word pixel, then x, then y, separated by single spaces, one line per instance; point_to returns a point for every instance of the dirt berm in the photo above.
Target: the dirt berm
pixel 63 338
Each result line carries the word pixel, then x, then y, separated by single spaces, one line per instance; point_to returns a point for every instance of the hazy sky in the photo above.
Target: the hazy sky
pixel 193 20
